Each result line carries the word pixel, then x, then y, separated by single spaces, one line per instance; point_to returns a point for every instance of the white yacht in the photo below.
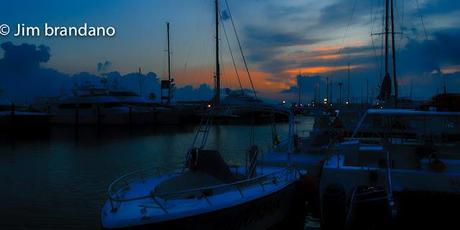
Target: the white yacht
pixel 237 105
pixel 88 106
pixel 406 170
pixel 146 111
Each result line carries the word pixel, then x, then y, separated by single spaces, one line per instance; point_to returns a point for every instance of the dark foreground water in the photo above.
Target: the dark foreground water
pixel 60 181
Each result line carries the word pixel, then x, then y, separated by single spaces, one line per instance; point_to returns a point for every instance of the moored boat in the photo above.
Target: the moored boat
pixel 206 194
pixel 412 157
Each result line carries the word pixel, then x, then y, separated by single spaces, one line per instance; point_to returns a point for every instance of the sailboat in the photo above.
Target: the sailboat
pixel 205 193
pixel 238 105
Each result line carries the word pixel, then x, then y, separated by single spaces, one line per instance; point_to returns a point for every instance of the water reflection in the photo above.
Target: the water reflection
pixel 59 181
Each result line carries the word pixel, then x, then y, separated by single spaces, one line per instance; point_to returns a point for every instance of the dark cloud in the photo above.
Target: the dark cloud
pixel 104 67
pixel 343 13
pixel 24 57
pixel 265 46
pixel 438 6
pixel 264 37
pixel 203 92
pixel 430 55
pixel 22 78
pixel 419 66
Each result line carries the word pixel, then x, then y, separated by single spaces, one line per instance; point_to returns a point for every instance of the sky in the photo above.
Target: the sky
pixel 280 39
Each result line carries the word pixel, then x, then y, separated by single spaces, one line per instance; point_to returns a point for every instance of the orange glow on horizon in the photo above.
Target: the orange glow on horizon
pixel 320 69
pixel 450 69
pixel 337 47
pixel 204 75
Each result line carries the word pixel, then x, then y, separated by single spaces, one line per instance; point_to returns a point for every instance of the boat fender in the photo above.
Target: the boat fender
pixel 308 184
pixel 193 160
pixel 438 166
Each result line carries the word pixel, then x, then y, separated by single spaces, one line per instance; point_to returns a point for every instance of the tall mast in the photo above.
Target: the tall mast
pixel 385 87
pixel 169 65
pixel 394 53
pixel 386 35
pixel 217 76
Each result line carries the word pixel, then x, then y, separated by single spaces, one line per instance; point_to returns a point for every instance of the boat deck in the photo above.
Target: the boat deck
pixel 136 203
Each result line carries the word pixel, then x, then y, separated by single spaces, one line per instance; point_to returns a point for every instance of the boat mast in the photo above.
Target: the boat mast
pixel 169 65
pixel 395 82
pixel 217 76
pixel 385 87
pixel 386 36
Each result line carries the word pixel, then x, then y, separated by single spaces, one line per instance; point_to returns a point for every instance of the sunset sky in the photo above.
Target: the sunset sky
pixel 281 39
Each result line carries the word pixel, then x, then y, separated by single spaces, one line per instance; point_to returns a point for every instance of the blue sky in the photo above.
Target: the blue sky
pixel 280 39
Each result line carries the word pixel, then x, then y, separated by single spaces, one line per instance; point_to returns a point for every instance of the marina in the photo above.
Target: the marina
pixel 268 124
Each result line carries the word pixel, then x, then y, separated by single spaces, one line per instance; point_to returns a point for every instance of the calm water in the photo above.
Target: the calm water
pixel 60 182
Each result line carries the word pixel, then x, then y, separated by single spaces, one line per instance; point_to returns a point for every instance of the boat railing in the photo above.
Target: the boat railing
pixel 123 183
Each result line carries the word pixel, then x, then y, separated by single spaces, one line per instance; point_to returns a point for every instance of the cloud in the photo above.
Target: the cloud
pixel 310 87
pixel 104 67
pixel 343 13
pixel 22 78
pixel 431 55
pixel 24 57
pixel 188 92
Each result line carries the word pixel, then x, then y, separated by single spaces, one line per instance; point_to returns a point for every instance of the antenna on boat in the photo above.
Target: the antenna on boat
pixel 217 74
pixel 349 86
